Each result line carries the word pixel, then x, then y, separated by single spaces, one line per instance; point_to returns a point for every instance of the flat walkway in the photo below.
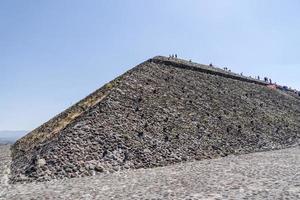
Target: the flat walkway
pixel 266 175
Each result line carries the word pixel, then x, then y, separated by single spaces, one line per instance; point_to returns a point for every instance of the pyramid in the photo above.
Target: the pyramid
pixel 161 112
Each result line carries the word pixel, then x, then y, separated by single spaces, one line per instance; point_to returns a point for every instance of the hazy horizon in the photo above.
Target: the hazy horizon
pixel 11 136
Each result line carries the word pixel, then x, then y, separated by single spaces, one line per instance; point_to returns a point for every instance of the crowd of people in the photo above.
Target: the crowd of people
pixel 265 79
pixel 270 83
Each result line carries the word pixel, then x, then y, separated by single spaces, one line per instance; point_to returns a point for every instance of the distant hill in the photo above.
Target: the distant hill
pixel 8 137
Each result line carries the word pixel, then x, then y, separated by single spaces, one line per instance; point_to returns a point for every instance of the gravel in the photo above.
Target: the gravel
pixel 264 175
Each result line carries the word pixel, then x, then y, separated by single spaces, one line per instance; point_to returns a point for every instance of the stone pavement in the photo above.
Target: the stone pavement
pixel 265 175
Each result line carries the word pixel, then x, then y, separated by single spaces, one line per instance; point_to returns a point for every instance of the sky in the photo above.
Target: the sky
pixel 55 52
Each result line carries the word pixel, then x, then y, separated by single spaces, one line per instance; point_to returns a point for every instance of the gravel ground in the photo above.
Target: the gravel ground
pixel 265 175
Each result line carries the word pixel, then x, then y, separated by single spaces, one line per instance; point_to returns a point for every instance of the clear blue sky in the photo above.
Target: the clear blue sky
pixel 55 52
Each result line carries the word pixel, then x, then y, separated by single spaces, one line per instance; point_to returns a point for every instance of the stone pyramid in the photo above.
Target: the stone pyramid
pixel 161 112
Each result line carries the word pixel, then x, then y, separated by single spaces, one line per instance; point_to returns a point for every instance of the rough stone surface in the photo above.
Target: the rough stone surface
pixel 158 114
pixel 4 168
pixel 41 162
pixel 266 175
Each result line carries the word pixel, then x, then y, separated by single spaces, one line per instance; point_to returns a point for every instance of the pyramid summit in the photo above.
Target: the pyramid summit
pixel 163 111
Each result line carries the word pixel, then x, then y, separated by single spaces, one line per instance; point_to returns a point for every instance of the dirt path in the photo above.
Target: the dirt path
pixel 266 175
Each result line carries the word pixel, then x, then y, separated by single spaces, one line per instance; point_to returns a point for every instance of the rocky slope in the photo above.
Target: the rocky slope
pixel 160 112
